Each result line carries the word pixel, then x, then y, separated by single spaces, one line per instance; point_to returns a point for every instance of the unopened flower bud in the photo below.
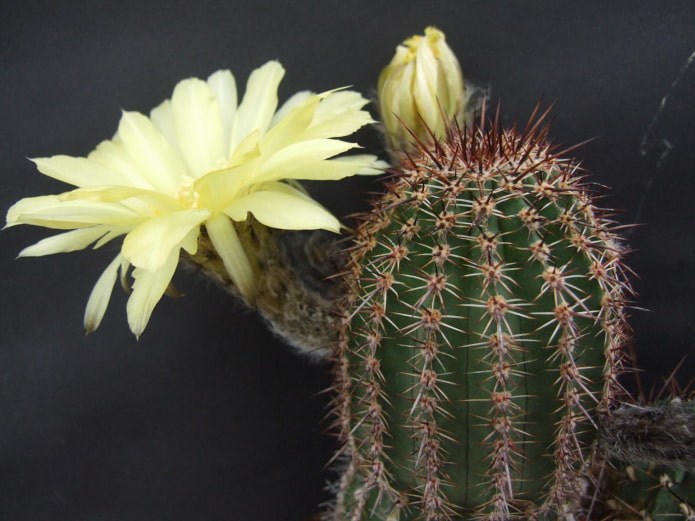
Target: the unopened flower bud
pixel 422 88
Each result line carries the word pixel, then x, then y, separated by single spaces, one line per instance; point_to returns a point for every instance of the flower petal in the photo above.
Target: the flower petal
pixel 156 159
pixel 65 242
pixel 285 210
pixel 198 125
pixel 339 115
pixel 190 241
pixel 246 150
pixel 77 171
pixel 113 155
pixel 113 232
pixel 148 288
pixel 326 115
pixel 332 169
pixel 155 201
pixel 52 212
pixel 260 101
pixel 425 85
pixel 149 245
pixel 368 164
pixel 220 187
pixel 223 87
pixel 28 205
pixel 101 294
pixel 326 170
pixel 227 244
pixel 294 101
pixel 293 157
pixel 162 117
pixel 339 102
pixel 291 128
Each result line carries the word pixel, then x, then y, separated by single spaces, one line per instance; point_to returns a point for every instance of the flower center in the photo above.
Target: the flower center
pixel 186 195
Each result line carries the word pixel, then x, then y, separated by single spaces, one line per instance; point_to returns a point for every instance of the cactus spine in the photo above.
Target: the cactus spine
pixel 483 334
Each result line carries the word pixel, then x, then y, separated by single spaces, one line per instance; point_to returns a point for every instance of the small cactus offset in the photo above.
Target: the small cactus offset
pixel 484 334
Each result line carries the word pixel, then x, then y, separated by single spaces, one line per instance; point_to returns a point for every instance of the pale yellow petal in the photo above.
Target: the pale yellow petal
pixel 123 275
pixel 77 171
pixel 339 115
pixel 294 101
pixel 405 109
pixel 28 205
pixel 226 242
pixel 155 201
pixel 338 126
pixel 113 232
pixel 291 128
pixel 65 242
pixel 290 187
pixel 283 210
pixel 325 115
pixel 71 214
pixel 223 87
pixel 149 245
pixel 368 164
pixel 396 103
pixel 260 101
pixel 326 170
pixel 425 90
pixel 148 288
pixel 245 151
pixel 190 241
pixel 198 125
pixel 340 101
pixel 452 69
pixel 395 99
pixel 101 294
pixel 162 116
pixel 151 151
pixel 220 187
pixel 293 157
pixel 113 155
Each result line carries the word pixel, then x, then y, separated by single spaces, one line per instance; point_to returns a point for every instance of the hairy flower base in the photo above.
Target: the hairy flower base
pixel 200 160
pixel 295 279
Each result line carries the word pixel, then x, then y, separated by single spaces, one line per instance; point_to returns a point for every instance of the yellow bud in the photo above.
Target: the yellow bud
pixel 421 88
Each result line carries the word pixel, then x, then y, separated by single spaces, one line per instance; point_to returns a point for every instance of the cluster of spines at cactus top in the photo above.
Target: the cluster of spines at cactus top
pixel 483 333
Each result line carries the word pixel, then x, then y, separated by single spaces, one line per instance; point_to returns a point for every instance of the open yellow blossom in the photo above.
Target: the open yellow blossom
pixel 199 159
pixel 422 88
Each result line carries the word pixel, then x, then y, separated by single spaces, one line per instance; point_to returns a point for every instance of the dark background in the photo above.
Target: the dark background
pixel 208 416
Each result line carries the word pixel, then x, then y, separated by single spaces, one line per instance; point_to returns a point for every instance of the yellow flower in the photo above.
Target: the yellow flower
pixel 199 159
pixel 422 88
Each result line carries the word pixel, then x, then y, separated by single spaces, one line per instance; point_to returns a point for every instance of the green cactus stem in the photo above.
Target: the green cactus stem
pixel 483 333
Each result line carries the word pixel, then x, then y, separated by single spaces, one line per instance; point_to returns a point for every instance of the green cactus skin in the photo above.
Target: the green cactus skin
pixel 483 335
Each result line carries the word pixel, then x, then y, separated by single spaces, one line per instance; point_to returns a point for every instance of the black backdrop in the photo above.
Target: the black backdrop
pixel 208 416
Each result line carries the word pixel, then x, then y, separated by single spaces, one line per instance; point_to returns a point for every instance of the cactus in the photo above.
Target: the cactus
pixel 483 334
